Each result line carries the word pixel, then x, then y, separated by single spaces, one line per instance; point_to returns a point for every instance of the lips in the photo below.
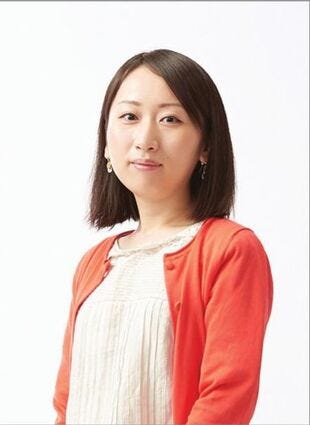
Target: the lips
pixel 146 165
pixel 146 162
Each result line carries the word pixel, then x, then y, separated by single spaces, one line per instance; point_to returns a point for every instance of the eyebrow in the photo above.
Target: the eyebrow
pixel 161 105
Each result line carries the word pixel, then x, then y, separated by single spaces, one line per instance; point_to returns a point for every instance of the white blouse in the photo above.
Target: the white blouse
pixel 122 352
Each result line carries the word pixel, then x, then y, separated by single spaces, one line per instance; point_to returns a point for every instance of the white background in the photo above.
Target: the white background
pixel 56 61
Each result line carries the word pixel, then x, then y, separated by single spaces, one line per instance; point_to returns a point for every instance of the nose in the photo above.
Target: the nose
pixel 146 137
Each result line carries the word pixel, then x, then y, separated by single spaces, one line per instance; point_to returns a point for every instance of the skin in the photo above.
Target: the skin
pixel 163 134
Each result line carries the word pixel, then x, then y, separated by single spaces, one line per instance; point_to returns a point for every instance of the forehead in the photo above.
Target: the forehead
pixel 144 85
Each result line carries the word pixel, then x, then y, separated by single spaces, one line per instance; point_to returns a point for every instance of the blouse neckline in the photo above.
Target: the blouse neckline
pixel 187 232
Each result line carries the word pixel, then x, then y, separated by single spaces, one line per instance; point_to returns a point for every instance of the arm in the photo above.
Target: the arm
pixel 235 319
pixel 62 383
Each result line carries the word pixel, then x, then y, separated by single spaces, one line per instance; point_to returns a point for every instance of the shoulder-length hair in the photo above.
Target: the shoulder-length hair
pixel 111 202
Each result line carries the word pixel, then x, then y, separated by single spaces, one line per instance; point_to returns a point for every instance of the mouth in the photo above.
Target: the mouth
pixel 146 165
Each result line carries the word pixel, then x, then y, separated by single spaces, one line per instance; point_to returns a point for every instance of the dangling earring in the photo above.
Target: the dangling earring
pixel 109 166
pixel 203 169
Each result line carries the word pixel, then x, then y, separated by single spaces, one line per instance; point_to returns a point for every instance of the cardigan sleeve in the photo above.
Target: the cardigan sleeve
pixel 235 319
pixel 62 382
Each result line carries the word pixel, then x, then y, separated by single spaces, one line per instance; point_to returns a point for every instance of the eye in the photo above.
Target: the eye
pixel 171 119
pixel 129 115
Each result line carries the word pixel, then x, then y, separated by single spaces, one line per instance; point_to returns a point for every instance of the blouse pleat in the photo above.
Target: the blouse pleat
pixel 122 357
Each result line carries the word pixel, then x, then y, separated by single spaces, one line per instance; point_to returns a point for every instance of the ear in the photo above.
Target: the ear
pixel 106 152
pixel 204 156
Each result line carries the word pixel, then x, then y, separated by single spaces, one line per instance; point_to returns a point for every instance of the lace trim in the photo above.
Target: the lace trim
pixel 176 240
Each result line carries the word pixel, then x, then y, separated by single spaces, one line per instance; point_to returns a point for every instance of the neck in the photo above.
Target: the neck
pixel 159 215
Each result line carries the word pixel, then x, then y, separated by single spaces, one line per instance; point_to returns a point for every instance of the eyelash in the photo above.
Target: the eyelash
pixel 168 116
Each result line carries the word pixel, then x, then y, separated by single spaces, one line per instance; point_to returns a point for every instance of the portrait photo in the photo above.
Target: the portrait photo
pixel 154 184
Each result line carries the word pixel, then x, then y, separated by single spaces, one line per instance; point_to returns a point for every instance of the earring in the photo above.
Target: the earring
pixel 203 169
pixel 109 166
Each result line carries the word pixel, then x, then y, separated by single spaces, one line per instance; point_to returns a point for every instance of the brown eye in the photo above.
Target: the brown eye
pixel 129 115
pixel 171 119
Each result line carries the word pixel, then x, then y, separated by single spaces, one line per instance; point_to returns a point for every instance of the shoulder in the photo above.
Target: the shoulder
pixel 221 229
pixel 224 236
pixel 98 252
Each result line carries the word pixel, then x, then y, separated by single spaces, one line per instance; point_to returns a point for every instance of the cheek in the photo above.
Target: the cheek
pixel 113 133
pixel 116 140
pixel 186 146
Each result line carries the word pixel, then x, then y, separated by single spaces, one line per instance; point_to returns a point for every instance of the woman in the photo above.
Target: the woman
pixel 168 319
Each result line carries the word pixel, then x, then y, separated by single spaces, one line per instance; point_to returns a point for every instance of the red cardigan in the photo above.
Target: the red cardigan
pixel 220 291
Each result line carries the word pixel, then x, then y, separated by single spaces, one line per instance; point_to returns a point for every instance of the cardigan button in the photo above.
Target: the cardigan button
pixel 170 266
pixel 107 269
pixel 177 305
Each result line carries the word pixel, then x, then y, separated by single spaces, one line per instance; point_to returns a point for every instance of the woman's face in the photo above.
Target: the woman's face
pixel 147 122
